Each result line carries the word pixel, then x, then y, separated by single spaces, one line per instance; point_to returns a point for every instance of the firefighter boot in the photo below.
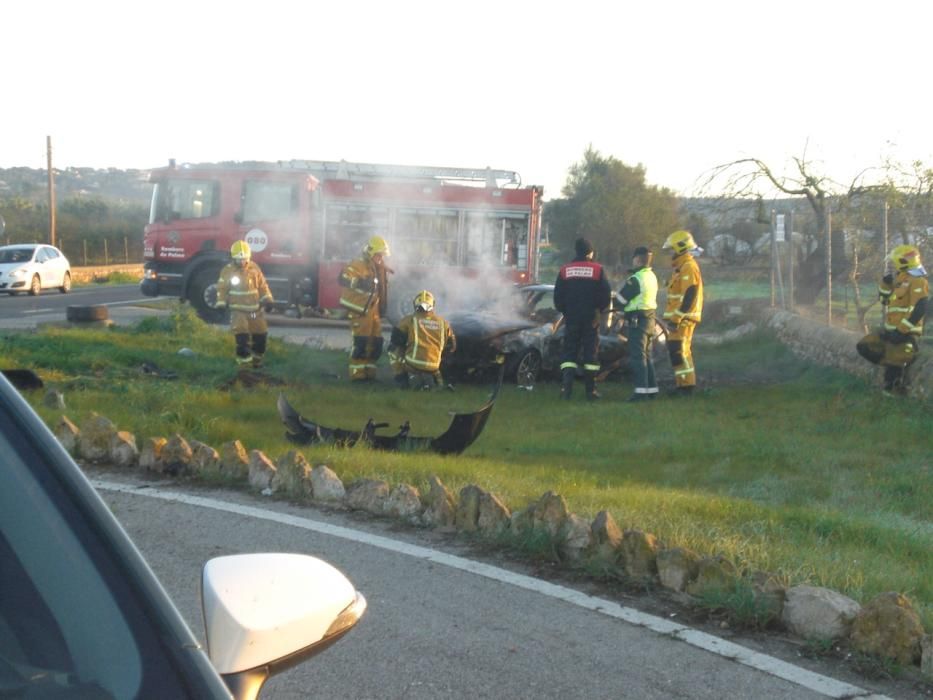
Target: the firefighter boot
pixel 590 384
pixel 566 383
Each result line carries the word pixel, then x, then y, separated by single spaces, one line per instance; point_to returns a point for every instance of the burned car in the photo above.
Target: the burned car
pixel 526 333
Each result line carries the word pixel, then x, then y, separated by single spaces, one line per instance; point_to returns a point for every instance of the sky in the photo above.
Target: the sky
pixel 678 87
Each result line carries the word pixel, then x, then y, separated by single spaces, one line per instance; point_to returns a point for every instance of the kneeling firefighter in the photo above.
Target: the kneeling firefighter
pixel 243 289
pixel 904 297
pixel 364 295
pixel 418 344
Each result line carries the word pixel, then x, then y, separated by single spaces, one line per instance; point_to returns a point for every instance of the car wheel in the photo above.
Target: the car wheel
pixel 35 286
pixel 525 367
pixel 66 284
pixel 84 314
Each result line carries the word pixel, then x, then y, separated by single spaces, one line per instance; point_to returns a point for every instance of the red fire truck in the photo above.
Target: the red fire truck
pixel 304 220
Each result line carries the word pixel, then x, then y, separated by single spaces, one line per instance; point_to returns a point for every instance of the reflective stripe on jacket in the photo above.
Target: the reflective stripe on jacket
pixel 686 274
pixel 363 286
pixel 647 297
pixel 242 288
pixel 906 292
pixel 427 335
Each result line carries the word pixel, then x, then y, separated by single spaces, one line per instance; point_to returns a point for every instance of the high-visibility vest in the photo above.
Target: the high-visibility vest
pixel 647 299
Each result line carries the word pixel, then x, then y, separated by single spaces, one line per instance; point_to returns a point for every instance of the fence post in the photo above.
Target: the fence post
pixel 789 237
pixel 106 254
pixel 829 266
pixel 126 251
pixel 84 246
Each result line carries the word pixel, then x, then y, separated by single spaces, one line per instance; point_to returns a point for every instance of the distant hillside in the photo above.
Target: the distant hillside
pixel 110 184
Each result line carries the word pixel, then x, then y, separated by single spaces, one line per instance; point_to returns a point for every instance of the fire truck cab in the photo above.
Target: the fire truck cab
pixel 449 229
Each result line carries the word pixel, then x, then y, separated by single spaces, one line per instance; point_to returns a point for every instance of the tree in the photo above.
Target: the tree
pixel 610 204
pixel 745 177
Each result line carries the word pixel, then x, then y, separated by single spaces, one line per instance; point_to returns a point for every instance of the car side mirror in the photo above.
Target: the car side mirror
pixel 264 613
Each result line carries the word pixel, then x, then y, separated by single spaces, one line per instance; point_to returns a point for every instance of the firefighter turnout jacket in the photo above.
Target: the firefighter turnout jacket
pixel 906 299
pixel 419 340
pixel 363 287
pixel 242 289
pixel 581 291
pixel 684 291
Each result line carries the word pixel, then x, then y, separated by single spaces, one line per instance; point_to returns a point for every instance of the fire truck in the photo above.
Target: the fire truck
pixel 458 232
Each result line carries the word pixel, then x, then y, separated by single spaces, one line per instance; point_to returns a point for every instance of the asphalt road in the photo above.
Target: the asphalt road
pixel 441 624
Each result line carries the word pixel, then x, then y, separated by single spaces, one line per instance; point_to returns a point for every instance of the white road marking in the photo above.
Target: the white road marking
pixel 816 682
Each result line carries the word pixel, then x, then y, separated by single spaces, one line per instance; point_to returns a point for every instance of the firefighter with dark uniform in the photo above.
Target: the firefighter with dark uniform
pixel 904 297
pixel 639 304
pixel 364 295
pixel 242 288
pixel 581 293
pixel 684 308
pixel 418 344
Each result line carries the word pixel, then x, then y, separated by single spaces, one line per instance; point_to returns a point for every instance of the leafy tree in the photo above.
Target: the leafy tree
pixel 610 203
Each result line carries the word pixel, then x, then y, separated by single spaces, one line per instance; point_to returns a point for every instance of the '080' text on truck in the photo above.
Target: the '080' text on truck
pixel 305 220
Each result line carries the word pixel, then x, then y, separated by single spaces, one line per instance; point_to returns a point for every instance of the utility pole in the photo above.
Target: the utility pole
pixel 789 237
pixel 48 146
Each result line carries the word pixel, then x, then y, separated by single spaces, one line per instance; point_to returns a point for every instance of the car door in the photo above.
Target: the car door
pixel 54 266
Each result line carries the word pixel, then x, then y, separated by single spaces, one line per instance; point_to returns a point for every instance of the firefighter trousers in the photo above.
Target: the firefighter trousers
pixel 680 349
pixel 250 332
pixel 365 344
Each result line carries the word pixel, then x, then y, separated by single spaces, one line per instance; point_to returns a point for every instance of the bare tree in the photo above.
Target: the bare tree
pixel 745 178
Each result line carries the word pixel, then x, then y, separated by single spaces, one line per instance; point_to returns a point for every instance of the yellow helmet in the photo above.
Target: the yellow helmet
pixel 423 301
pixel 240 251
pixel 376 245
pixel 680 242
pixel 905 257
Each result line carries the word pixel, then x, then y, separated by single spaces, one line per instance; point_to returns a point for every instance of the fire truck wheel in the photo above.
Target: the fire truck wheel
pixel 202 293
pixel 84 314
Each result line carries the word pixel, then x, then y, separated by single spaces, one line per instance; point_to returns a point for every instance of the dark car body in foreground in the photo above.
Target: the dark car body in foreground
pixel 82 615
pixel 526 333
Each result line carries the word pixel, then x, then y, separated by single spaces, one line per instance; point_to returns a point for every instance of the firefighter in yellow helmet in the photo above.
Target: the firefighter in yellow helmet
pixel 242 288
pixel 684 308
pixel 904 297
pixel 418 343
pixel 364 294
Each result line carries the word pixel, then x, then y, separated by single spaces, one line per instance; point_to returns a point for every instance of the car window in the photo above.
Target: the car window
pixel 42 255
pixel 69 625
pixel 50 253
pixel 16 255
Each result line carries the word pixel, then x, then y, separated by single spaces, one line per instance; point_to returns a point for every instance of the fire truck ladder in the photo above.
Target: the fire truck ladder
pixel 342 170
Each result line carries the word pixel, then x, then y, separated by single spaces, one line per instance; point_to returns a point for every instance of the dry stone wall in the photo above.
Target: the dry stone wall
pixel 887 626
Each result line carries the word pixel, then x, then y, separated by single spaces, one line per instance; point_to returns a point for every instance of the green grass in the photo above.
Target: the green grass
pixel 800 471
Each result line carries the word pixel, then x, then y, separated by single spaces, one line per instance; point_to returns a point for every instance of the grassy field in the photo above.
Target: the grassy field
pixel 800 471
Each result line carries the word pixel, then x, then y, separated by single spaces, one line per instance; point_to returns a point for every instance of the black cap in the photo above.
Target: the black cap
pixel 641 250
pixel 582 247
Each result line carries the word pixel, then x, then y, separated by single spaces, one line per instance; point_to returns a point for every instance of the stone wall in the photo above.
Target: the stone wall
pixel 835 347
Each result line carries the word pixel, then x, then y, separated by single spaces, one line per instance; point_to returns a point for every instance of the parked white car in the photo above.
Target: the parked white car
pixel 33 267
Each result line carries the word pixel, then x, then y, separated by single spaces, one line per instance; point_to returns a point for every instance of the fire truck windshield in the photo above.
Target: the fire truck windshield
pixel 183 199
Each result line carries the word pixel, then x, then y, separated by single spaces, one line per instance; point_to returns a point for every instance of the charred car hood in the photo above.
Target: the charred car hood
pixel 479 326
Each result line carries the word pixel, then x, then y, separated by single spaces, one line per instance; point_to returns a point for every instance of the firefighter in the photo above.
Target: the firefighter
pixel 581 293
pixel 684 308
pixel 904 297
pixel 418 343
pixel 242 288
pixel 639 303
pixel 364 294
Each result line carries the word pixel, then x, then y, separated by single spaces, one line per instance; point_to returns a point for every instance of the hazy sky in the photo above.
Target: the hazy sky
pixel 676 86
